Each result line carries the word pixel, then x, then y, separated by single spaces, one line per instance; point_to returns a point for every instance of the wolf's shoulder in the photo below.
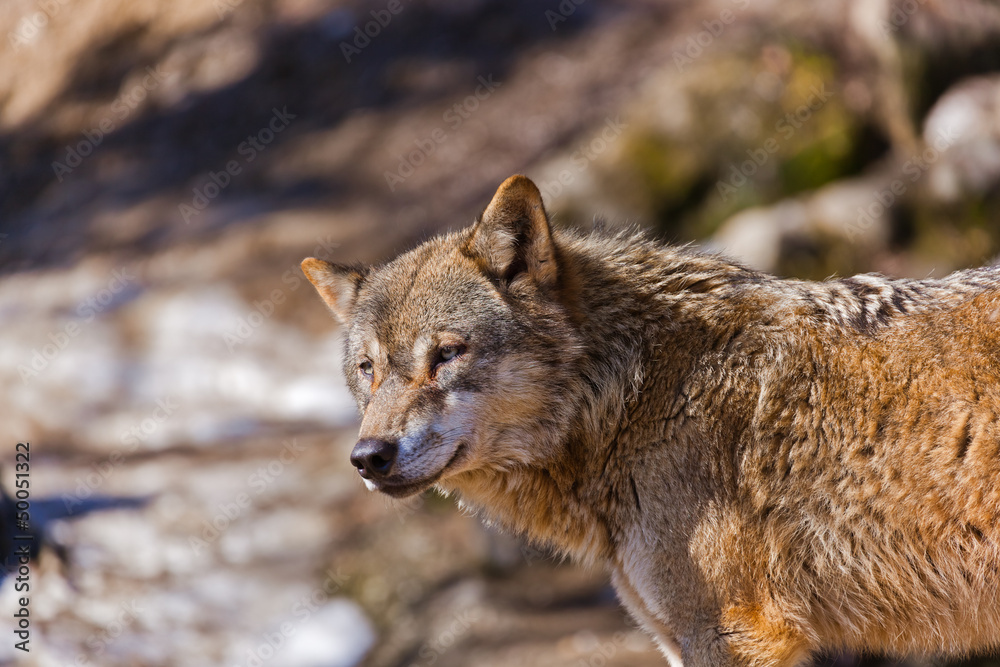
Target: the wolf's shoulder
pixel 868 302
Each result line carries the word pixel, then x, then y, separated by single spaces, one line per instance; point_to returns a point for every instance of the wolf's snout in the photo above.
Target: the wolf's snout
pixel 374 458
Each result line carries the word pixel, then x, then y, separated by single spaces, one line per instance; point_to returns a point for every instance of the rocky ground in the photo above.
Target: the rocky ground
pixel 166 165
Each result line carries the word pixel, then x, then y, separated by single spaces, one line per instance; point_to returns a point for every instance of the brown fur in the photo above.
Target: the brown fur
pixel 766 467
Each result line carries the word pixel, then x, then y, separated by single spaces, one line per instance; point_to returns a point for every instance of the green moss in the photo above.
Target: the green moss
pixel 746 147
pixel 664 168
pixel 821 161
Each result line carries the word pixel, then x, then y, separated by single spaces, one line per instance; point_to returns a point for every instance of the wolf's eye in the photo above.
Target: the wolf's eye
pixel 446 353
pixel 366 368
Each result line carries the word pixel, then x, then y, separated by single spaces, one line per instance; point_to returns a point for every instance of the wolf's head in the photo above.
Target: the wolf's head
pixel 460 352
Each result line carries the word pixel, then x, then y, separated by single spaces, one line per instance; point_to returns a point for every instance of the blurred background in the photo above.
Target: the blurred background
pixel 164 166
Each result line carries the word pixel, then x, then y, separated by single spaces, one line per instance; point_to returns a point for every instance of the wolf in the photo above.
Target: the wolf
pixel 767 468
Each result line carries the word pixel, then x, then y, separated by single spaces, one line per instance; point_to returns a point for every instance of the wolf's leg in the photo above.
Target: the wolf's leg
pixel 741 636
pixel 746 639
pixel 726 654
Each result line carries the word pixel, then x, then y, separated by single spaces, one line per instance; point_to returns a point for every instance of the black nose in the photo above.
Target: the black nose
pixel 373 458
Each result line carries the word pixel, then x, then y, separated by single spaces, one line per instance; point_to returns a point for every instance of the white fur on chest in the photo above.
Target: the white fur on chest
pixel 632 580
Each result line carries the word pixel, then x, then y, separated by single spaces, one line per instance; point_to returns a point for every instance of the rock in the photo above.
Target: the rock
pixel 755 236
pixel 962 138
pixel 847 213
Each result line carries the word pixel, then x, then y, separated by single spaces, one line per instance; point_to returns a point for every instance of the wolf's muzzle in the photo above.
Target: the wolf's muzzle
pixel 374 458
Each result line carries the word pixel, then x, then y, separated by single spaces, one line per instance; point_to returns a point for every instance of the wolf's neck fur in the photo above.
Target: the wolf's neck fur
pixel 670 322
pixel 626 297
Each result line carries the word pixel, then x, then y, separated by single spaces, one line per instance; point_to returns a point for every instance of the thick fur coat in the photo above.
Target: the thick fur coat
pixel 767 468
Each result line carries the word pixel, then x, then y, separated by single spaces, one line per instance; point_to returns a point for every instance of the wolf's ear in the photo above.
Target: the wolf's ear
pixel 338 285
pixel 513 235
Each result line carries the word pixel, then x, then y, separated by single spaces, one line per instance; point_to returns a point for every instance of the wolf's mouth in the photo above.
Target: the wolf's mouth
pixel 404 488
